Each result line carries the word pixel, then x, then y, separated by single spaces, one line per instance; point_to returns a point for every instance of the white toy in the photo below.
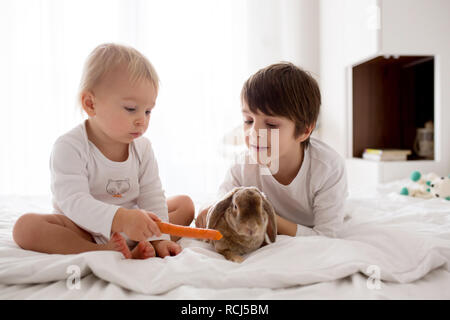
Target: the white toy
pixel 440 188
pixel 428 186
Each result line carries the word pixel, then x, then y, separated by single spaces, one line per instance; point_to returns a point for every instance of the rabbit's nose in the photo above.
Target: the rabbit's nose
pixel 250 231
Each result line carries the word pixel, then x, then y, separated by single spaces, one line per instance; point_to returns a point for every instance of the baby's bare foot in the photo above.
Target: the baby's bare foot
pixel 143 250
pixel 118 243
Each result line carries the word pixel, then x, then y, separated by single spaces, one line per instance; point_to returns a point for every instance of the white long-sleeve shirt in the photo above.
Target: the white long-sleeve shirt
pixel 89 188
pixel 314 200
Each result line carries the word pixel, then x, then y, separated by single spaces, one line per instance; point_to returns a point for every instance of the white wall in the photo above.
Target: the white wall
pixel 283 30
pixel 349 31
pixel 332 76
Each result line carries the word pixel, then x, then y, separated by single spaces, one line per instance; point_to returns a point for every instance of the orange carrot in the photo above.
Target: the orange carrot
pixel 182 231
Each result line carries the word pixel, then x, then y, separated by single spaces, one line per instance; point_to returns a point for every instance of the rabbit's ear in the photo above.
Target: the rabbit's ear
pixel 272 224
pixel 216 212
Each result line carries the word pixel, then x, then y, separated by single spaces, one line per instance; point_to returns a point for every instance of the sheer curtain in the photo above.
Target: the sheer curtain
pixel 203 51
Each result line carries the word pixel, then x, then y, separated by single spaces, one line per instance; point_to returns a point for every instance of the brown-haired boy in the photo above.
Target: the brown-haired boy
pixel 308 186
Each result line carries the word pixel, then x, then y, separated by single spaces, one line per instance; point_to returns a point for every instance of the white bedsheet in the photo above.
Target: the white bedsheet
pixel 404 241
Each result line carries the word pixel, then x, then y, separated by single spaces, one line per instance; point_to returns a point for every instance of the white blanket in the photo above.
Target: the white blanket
pixel 390 237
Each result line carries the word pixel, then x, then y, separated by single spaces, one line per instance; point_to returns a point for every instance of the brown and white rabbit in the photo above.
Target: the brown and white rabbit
pixel 246 220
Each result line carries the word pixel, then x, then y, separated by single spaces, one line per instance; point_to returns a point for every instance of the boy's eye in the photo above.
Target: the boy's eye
pixel 248 121
pixel 270 125
pixel 148 112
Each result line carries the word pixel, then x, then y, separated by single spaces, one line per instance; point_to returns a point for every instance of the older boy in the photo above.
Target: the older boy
pixel 308 186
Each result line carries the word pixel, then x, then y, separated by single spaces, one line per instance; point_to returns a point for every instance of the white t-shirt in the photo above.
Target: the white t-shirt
pixel 314 200
pixel 89 188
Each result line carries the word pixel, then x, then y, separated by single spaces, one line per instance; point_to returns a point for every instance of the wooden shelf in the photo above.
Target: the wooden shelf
pixel 392 97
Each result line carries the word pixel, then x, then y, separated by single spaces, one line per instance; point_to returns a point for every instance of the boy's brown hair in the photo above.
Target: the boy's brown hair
pixel 285 90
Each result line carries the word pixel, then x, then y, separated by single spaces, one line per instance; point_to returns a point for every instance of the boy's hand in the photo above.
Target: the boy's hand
pixel 166 248
pixel 285 226
pixel 200 221
pixel 137 224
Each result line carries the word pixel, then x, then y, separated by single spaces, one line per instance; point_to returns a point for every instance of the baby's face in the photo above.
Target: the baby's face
pixel 122 109
pixel 259 134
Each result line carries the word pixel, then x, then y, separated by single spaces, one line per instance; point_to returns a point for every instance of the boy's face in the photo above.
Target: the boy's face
pixel 259 142
pixel 120 109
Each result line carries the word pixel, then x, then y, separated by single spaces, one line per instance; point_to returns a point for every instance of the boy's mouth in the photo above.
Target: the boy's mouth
pixel 258 148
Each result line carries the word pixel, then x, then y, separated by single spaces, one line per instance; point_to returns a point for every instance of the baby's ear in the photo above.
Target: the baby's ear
pixel 87 102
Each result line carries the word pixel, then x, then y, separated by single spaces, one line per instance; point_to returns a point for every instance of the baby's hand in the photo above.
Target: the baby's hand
pixel 166 248
pixel 139 225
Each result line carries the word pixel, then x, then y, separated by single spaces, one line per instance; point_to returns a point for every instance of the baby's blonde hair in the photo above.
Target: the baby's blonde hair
pixel 109 55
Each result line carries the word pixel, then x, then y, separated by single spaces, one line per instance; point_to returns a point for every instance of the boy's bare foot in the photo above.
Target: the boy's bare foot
pixel 143 250
pixel 118 243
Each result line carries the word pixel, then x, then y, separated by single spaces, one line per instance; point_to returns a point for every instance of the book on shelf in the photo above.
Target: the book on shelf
pixel 386 154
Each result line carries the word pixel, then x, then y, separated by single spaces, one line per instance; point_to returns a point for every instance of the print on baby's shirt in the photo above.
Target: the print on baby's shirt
pixel 117 188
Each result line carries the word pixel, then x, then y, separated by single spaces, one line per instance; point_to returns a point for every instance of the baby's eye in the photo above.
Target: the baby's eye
pixel 130 109
pixel 248 121
pixel 148 112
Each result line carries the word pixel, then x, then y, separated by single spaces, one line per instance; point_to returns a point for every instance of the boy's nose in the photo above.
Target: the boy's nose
pixel 259 133
pixel 254 135
pixel 255 132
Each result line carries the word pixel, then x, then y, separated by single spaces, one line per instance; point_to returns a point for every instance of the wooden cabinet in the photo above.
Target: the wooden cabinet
pixel 392 96
pixel 384 72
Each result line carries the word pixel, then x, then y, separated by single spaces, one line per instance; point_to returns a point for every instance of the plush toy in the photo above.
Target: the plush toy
pixel 440 188
pixel 428 186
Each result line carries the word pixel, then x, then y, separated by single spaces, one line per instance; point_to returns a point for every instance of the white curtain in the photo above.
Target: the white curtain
pixel 203 51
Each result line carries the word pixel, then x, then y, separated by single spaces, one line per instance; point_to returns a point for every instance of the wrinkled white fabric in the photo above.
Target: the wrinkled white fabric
pixel 400 239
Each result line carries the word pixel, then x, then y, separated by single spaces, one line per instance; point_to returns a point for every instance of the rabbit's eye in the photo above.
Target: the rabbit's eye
pixel 235 207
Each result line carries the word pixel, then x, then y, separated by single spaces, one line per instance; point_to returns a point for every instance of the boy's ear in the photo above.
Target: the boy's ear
pixel 305 135
pixel 88 103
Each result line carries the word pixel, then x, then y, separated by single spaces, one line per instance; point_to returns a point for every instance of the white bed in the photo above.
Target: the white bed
pixel 392 247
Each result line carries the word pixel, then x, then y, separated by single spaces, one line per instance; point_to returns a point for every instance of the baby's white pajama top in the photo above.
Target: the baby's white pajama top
pixel 89 188
pixel 314 200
